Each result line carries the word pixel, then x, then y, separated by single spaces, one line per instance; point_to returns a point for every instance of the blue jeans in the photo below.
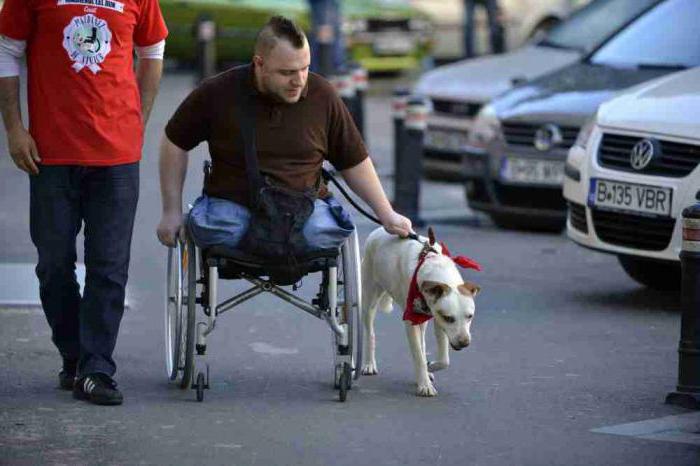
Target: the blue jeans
pixel 214 221
pixel 104 199
pixel 496 33
pixel 326 12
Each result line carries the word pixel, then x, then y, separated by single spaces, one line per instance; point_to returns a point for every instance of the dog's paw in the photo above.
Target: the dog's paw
pixel 434 366
pixel 370 369
pixel 426 390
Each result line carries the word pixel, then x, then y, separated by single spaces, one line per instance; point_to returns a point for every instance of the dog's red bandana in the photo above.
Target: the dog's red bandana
pixel 417 310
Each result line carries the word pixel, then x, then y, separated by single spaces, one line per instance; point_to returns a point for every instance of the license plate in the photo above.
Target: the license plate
pixel 454 141
pixel 393 44
pixel 630 197
pixel 532 171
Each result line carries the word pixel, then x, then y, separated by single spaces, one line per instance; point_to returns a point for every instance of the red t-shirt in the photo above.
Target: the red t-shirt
pixel 84 102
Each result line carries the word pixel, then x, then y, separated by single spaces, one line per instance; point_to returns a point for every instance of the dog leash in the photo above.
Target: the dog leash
pixel 327 176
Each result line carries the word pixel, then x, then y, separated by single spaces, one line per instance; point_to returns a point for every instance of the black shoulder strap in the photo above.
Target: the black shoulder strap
pixel 246 110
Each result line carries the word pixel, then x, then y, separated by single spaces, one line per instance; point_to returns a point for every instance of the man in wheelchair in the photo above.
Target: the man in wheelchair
pixel 265 210
pixel 296 121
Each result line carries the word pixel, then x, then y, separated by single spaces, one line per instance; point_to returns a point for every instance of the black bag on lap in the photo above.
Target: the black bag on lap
pixel 278 213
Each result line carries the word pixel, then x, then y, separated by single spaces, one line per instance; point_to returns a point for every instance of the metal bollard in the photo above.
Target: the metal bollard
pixel 398 111
pixel 205 33
pixel 409 168
pixel 344 86
pixel 325 35
pixel 687 392
pixel 360 81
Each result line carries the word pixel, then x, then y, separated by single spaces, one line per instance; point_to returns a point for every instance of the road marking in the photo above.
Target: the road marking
pixel 264 348
pixel 683 428
pixel 20 287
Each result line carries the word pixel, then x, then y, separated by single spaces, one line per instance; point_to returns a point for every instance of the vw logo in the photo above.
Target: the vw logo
pixel 642 153
pixel 547 137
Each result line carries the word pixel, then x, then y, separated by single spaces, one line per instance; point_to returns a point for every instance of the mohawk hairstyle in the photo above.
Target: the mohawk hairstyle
pixel 278 28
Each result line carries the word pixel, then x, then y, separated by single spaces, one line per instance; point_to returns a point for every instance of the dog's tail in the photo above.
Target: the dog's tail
pixel 385 303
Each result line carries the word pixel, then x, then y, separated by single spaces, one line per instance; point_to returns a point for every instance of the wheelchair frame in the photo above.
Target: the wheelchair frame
pixel 338 302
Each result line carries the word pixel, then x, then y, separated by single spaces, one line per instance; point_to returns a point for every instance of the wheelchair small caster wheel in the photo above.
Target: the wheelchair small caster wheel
pixel 200 386
pixel 344 382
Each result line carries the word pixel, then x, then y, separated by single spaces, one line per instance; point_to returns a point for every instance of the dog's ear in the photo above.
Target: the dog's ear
pixel 469 289
pixel 431 236
pixel 434 290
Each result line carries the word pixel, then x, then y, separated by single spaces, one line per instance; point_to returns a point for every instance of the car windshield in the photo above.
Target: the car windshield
pixel 665 37
pixel 591 25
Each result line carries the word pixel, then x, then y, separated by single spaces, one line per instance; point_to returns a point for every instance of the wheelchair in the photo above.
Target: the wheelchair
pixel 192 304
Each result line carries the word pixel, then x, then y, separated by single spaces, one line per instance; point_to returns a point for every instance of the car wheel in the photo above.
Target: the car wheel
pixel 652 273
pixel 543 27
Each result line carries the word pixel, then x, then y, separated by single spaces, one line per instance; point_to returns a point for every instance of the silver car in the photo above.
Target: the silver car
pixel 528 131
pixel 458 91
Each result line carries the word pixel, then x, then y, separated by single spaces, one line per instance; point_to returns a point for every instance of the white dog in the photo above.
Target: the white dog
pixel 388 268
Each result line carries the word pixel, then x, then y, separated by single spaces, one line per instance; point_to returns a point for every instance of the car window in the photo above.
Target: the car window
pixel 591 25
pixel 666 36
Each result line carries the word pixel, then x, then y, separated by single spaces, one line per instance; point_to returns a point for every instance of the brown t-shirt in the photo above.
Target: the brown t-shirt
pixel 292 140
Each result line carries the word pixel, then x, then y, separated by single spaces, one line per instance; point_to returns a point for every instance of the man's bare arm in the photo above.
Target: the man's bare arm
pixel 173 170
pixel 364 182
pixel 148 74
pixel 21 146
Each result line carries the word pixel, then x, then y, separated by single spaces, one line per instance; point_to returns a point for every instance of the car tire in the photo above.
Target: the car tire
pixel 527 223
pixel 652 273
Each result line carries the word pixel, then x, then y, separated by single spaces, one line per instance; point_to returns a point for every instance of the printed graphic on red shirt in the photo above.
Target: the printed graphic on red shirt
pixel 111 4
pixel 87 39
pixel 83 96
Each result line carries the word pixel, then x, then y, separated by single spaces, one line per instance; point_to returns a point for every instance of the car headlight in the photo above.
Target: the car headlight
pixel 352 26
pixel 486 128
pixel 585 133
pixel 419 25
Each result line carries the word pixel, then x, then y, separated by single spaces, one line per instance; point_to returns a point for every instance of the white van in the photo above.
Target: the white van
pixel 522 20
pixel 633 170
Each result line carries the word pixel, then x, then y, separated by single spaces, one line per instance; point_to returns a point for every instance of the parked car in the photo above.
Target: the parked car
pixel 380 34
pixel 633 171
pixel 386 35
pixel 528 131
pixel 458 91
pixel 522 20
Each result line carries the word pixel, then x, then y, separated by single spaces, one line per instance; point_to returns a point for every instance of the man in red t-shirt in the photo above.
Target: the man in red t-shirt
pixel 87 111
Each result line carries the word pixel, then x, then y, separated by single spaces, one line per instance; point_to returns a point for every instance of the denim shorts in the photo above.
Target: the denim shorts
pixel 214 221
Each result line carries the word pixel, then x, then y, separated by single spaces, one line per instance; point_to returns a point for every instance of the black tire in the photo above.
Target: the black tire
pixel 528 223
pixel 344 383
pixel 189 337
pixel 652 273
pixel 350 312
pixel 200 387
pixel 544 26
pixel 336 378
pixel 347 370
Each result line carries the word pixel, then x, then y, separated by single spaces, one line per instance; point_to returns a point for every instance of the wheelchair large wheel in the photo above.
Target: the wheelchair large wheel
pixel 348 315
pixel 180 312
pixel 173 308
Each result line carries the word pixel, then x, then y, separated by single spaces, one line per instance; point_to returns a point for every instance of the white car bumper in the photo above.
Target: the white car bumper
pixel 622 232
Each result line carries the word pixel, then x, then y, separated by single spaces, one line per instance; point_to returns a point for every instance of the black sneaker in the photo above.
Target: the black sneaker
pixel 99 389
pixel 66 378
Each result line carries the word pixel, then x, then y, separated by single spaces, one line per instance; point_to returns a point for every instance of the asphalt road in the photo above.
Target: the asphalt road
pixel 563 343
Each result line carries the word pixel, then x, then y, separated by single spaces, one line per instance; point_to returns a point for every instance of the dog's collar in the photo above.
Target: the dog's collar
pixel 417 310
